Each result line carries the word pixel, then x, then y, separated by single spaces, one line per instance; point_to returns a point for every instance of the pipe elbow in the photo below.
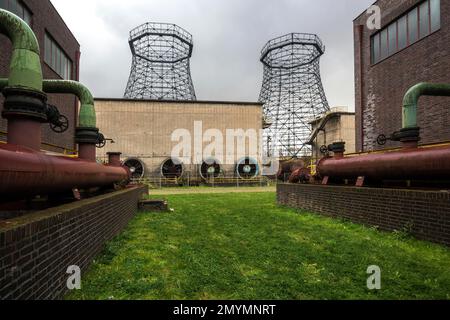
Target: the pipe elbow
pixel 87 117
pixel 25 66
pixel 412 96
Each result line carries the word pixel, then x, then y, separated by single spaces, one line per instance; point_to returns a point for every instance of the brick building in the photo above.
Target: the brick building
pixel 412 46
pixel 60 53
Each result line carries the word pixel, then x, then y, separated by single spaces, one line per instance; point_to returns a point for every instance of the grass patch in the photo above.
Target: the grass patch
pixel 243 246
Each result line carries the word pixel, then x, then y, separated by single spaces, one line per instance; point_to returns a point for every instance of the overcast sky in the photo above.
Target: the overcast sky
pixel 228 38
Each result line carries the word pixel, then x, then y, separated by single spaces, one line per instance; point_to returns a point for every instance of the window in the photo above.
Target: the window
pixel 57 59
pixel 402 33
pixel 424 20
pixel 18 8
pixel 413 26
pixel 405 31
pixel 435 14
pixel 392 34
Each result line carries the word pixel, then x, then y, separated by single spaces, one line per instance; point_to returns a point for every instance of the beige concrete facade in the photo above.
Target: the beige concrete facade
pixel 144 130
pixel 335 126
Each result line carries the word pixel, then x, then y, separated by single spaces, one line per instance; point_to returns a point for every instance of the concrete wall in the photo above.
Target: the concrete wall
pixel 37 249
pixel 380 87
pixel 425 214
pixel 45 18
pixel 143 129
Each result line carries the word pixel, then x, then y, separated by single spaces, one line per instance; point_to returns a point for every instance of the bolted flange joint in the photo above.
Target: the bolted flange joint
pixel 25 103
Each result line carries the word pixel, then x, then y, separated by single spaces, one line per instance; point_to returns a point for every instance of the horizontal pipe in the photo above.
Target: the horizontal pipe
pixel 430 163
pixel 413 95
pixel 27 172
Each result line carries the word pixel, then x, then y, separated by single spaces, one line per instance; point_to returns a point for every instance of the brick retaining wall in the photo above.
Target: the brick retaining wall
pixel 425 213
pixel 37 249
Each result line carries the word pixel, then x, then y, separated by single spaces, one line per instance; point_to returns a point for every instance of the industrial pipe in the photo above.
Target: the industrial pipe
pixel 430 164
pixel 25 65
pixel 28 172
pixel 87 117
pixel 412 97
pixel 87 135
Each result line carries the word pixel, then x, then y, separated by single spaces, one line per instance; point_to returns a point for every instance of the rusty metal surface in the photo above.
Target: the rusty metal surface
pixel 430 163
pixel 288 167
pixel 28 172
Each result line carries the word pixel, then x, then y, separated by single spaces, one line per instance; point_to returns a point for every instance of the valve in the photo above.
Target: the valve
pixel 324 150
pixel 382 140
pixel 58 122
pixel 101 141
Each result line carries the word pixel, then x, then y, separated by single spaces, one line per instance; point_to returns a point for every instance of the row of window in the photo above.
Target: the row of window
pixel 57 59
pixel 413 26
pixel 18 8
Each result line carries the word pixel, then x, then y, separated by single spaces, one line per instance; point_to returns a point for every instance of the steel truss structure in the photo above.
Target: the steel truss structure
pixel 161 63
pixel 292 92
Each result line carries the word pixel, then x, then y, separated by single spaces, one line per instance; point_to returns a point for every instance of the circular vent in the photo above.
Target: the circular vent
pixel 210 169
pixel 247 168
pixel 172 168
pixel 136 167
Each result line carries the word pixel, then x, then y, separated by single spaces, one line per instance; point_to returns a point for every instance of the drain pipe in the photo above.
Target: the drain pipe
pixel 87 134
pixel 25 103
pixel 409 135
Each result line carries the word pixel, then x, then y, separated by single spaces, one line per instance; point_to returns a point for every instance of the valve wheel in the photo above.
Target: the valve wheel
pixel 381 140
pixel 324 149
pixel 61 126
pixel 101 144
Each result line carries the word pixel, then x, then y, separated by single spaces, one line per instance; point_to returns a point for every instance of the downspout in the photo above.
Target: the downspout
pixel 87 134
pixel 25 103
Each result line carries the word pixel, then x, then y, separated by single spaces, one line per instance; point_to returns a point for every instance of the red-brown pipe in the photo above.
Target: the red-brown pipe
pixel 27 172
pixel 25 132
pixel 408 164
pixel 87 151
pixel 114 159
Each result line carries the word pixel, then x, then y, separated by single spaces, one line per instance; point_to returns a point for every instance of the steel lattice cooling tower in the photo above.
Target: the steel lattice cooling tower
pixel 292 92
pixel 161 65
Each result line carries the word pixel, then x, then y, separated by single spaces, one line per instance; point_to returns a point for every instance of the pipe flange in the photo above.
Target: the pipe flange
pixel 26 103
pixel 87 135
pixel 409 134
pixel 337 147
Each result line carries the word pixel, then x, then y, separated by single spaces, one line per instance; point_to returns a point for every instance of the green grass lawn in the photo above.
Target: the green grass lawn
pixel 242 246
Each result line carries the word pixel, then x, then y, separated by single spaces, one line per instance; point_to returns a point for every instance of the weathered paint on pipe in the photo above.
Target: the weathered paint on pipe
pixel 28 172
pixel 413 95
pixel 25 65
pixel 87 117
pixel 430 163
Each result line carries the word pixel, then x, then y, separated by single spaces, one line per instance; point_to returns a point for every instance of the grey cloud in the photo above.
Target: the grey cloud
pixel 228 37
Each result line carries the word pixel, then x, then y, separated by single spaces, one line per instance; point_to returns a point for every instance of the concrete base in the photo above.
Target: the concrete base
pixel 153 206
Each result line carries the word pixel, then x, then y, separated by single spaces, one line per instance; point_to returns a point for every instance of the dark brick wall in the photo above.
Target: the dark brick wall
pixel 380 88
pixel 36 250
pixel 426 214
pixel 45 17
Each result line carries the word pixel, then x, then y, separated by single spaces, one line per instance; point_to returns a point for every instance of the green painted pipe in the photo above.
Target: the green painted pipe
pixel 87 117
pixel 25 67
pixel 413 95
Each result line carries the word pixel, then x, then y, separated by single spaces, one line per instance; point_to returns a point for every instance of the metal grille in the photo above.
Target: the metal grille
pixel 161 67
pixel 292 92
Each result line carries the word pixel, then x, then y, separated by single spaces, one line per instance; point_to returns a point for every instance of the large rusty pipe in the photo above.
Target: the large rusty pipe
pixel 28 172
pixel 430 163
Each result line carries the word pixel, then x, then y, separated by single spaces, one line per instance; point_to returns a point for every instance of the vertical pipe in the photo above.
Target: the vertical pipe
pixel 114 159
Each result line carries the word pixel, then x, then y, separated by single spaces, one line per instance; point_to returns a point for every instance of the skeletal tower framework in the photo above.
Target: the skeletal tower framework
pixel 292 92
pixel 161 65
